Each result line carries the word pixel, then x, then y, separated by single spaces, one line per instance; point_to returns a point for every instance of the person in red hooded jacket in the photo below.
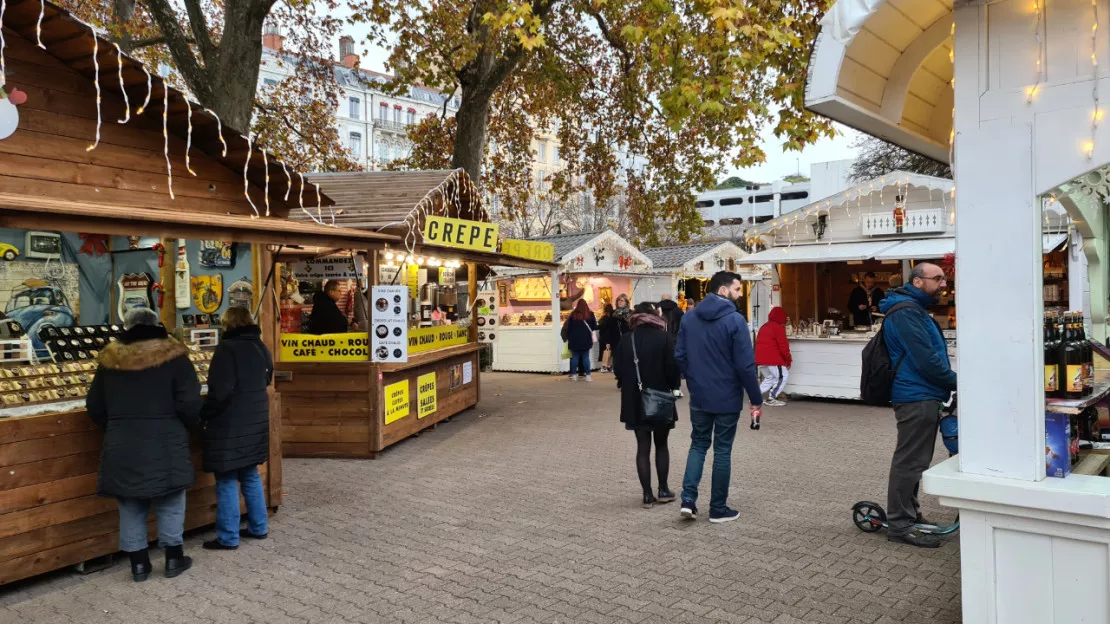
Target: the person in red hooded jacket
pixel 772 355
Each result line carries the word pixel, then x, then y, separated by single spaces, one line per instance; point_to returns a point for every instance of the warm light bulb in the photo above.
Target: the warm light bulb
pixel 420 259
pixel 1089 148
pixel 389 255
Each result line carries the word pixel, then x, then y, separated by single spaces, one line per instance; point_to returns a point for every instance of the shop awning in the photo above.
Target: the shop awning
pixel 920 249
pixel 1050 242
pixel 31 213
pixel 829 252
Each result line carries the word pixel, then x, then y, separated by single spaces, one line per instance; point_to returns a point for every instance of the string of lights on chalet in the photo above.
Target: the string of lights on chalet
pixel 120 63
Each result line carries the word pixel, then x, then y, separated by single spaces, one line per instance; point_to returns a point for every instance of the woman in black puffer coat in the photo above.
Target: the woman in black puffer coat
pixel 145 397
pixel 236 419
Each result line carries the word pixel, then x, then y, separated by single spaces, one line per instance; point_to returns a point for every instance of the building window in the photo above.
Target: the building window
pixel 730 201
pixel 411 117
pixel 384 112
pixel 795 195
pixel 387 152
pixel 555 154
pixel 269 82
pixel 703 203
pixel 541 151
pixel 397 114
pixel 355 104
pixel 356 143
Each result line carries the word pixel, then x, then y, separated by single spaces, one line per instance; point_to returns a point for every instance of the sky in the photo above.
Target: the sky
pixel 777 165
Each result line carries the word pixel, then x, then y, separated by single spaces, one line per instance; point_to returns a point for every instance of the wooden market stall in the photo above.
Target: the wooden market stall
pixel 71 175
pixel 350 403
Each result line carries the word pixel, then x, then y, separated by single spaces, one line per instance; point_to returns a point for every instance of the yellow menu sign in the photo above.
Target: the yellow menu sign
pixel 460 233
pixel 531 250
pixel 350 347
pixel 431 338
pixel 426 395
pixel 396 401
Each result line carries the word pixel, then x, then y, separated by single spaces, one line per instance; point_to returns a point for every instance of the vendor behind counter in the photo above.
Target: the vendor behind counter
pixel 326 318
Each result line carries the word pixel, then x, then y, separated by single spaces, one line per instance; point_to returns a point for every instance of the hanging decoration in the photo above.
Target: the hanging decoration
pixel 189 137
pixel 240 293
pixel 288 181
pixel 3 63
pixel 1031 92
pixel 95 245
pixel 246 180
pixel 134 292
pixel 266 189
pixel 9 115
pixel 122 87
pixel 38 24
pixel 1096 116
pixel 219 131
pixel 208 292
pixel 146 100
pixel 96 83
pixel 166 135
pixel 216 254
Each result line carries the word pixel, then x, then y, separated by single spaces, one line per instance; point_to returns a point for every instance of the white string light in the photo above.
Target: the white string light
pixel 139 111
pixel 3 63
pixel 220 131
pixel 1031 92
pixel 300 198
pixel 166 135
pixel 246 180
pixel 123 87
pixel 1096 116
pixel 288 181
pixel 96 82
pixel 38 25
pixel 189 137
pixel 266 193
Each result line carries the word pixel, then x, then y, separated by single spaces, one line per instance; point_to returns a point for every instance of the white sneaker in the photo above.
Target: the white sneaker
pixel 774 403
pixel 572 378
pixel 589 378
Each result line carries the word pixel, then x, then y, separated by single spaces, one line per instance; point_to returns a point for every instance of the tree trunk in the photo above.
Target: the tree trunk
pixel 471 123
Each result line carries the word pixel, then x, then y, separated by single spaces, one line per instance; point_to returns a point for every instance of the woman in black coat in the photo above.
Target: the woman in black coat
pixel 145 397
pixel 236 419
pixel 608 335
pixel 578 332
pixel 658 370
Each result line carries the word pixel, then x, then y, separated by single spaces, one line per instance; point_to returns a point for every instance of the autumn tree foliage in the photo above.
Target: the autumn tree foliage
pixel 650 98
pixel 215 49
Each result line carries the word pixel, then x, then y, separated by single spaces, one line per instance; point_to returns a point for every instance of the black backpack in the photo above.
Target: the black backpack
pixel 877 375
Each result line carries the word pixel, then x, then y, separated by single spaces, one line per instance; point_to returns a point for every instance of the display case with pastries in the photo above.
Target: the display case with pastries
pixel 526 319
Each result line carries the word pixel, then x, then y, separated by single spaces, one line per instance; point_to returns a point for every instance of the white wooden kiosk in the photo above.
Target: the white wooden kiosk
pixel 596 266
pixel 1021 97
pixel 675 267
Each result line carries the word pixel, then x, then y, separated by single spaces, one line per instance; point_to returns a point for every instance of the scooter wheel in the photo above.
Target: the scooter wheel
pixel 868 517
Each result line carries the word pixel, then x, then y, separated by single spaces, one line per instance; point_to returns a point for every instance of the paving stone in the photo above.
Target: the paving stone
pixel 532 515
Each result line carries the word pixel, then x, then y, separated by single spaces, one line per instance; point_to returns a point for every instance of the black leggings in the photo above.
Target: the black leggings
pixel 643 457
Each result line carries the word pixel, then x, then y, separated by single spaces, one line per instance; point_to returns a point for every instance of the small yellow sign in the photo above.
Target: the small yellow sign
pixel 531 250
pixel 460 233
pixel 396 401
pixel 349 347
pixel 431 338
pixel 412 280
pixel 426 395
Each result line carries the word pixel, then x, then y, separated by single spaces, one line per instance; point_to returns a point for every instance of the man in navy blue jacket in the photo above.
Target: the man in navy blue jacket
pixel 923 380
pixel 714 352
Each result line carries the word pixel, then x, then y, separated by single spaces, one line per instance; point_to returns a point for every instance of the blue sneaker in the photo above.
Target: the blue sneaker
pixel 728 515
pixel 689 510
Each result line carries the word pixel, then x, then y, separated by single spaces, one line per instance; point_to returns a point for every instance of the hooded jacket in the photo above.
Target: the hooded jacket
pixel 325 317
pixel 236 412
pixel 145 397
pixel 714 353
pixel 672 314
pixel 917 348
pixel 771 346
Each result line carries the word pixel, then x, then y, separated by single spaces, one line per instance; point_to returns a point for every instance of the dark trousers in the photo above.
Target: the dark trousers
pixel 917 438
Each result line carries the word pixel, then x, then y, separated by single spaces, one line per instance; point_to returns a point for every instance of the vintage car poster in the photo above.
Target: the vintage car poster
pixel 134 292
pixel 216 254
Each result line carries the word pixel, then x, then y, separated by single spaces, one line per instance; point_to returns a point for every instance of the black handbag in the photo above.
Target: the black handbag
pixel 659 406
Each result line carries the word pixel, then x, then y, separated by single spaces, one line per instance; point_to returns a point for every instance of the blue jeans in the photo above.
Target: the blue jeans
pixel 581 359
pixel 721 429
pixel 227 504
pixel 170 511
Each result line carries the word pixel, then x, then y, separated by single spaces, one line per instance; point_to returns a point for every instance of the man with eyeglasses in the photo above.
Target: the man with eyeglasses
pixel 923 380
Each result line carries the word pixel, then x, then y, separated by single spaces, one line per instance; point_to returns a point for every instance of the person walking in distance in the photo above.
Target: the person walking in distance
pixel 578 332
pixel 772 355
pixel 608 337
pixel 714 353
pixel 672 314
pixel 923 380
pixel 650 361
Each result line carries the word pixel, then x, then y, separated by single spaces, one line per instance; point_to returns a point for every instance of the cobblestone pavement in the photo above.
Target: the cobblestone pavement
pixel 527 510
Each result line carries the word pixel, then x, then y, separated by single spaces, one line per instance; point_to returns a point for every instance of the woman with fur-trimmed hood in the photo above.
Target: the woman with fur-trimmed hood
pixel 145 397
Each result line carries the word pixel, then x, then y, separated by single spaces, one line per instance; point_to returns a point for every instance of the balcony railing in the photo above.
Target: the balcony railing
pixel 392 126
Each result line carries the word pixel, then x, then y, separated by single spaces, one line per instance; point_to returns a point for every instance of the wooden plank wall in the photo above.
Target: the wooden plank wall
pixel 325 409
pixel 50 515
pixel 448 402
pixel 48 154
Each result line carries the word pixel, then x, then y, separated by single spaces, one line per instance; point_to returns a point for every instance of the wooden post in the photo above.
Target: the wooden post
pixel 472 294
pixel 269 323
pixel 167 276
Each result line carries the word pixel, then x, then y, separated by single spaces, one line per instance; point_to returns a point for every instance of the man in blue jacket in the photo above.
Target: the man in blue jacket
pixel 923 380
pixel 714 353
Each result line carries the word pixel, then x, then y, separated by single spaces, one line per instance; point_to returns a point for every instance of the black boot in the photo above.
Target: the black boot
pixel 140 565
pixel 176 561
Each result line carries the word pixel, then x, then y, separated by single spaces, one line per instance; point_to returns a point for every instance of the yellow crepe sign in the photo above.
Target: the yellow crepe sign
pixel 530 250
pixel 350 347
pixel 426 395
pixel 396 401
pixel 431 338
pixel 460 233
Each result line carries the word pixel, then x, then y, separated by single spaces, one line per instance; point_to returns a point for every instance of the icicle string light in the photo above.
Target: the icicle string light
pixel 246 180
pixel 123 87
pixel 189 137
pixel 96 82
pixel 220 132
pixel 300 195
pixel 166 135
pixel 266 189
pixel 288 181
pixel 1031 92
pixel 139 111
pixel 1096 116
pixel 3 63
pixel 38 25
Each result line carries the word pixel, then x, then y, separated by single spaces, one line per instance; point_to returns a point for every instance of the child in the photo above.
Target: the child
pixel 772 355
